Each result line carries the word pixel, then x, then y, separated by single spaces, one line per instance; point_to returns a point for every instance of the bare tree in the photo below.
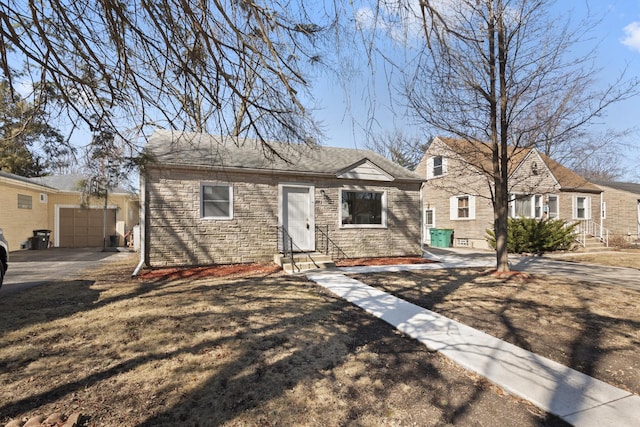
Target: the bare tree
pixel 223 66
pixel 501 75
pixel 398 147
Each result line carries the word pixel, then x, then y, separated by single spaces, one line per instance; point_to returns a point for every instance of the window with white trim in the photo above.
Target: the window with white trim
pixel 436 166
pixel 462 207
pixel 552 206
pixel 526 206
pixel 581 207
pixel 216 201
pixel 363 208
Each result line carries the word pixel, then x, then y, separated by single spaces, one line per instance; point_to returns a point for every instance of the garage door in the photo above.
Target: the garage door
pixel 84 227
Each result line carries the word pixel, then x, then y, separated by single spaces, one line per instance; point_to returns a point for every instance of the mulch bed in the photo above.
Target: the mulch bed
pixel 227 270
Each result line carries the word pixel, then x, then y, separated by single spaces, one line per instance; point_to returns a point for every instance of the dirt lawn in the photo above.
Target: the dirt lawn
pixel 257 349
pixel 592 328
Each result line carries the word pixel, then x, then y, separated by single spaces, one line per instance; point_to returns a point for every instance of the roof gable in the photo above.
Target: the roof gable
pixel 364 170
pixel 568 179
pixel 479 155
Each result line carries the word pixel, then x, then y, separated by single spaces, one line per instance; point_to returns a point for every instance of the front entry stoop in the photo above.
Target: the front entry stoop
pixel 593 244
pixel 304 262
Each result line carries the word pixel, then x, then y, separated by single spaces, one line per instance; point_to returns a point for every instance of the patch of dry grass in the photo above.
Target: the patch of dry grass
pixel 589 327
pixel 626 258
pixel 256 350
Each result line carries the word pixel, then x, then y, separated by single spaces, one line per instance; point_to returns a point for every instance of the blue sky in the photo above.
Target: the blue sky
pixel 617 42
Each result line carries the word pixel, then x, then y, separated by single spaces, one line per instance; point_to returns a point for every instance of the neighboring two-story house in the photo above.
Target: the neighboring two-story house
pixel 458 191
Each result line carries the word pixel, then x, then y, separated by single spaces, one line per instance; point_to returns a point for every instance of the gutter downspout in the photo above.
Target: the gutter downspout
pixel 638 218
pixel 143 224
pixel 422 219
pixel 601 210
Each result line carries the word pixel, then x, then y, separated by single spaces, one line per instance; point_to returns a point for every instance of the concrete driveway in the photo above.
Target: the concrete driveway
pixel 31 268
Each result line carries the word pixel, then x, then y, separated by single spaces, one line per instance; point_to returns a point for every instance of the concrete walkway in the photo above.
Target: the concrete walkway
pixel 577 398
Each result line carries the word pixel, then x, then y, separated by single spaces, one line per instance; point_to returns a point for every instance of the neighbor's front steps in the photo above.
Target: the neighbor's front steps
pixel 304 262
pixel 593 244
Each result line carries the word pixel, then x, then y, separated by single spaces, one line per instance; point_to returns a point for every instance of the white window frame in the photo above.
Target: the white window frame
pixel 453 207
pixel 536 201
pixel 202 200
pixel 431 167
pixel 586 207
pixel 383 215
pixel 549 213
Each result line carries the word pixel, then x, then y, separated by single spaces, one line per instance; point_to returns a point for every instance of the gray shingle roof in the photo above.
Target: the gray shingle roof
pixel 196 149
pixel 22 179
pixel 630 187
pixel 69 182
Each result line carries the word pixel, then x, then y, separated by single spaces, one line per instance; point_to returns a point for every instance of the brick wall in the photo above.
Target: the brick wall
pixel 178 236
pixel 622 212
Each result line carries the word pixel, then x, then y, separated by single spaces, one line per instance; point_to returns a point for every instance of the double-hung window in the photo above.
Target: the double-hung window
pixel 436 166
pixel 462 207
pixel 216 201
pixel 581 207
pixel 552 206
pixel 363 209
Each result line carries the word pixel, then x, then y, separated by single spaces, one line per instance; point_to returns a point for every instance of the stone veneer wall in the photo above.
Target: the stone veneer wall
pixel 622 212
pixel 177 235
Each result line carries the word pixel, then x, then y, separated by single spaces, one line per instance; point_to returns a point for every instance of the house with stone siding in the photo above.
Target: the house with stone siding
pixel 218 200
pixel 621 210
pixel 458 189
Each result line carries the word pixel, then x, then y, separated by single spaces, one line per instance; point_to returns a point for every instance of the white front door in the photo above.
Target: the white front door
pixel 297 216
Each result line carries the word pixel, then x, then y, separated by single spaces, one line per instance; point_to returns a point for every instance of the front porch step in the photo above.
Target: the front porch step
pixel 593 244
pixel 304 262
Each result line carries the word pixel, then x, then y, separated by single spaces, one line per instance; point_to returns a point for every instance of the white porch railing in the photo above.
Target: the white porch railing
pixel 588 228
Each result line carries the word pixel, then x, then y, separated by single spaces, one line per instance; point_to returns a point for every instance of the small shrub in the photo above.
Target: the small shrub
pixel 530 235
pixel 619 241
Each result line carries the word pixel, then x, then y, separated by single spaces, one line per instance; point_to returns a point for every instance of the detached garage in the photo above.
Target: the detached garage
pixel 84 227
pixel 57 203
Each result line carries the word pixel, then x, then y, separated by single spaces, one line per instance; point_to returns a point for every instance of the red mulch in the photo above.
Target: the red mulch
pixel 173 273
pixel 209 271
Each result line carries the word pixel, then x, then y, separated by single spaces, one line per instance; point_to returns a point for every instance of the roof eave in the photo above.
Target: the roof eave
pixel 332 175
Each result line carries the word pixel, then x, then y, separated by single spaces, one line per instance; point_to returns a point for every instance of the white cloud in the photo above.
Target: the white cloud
pixel 632 36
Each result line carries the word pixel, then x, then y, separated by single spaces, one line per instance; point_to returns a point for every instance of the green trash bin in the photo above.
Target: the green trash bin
pixel 441 237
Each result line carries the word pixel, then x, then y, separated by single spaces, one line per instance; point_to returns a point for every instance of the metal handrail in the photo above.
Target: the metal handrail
pixel 283 239
pixel 329 242
pixel 591 228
